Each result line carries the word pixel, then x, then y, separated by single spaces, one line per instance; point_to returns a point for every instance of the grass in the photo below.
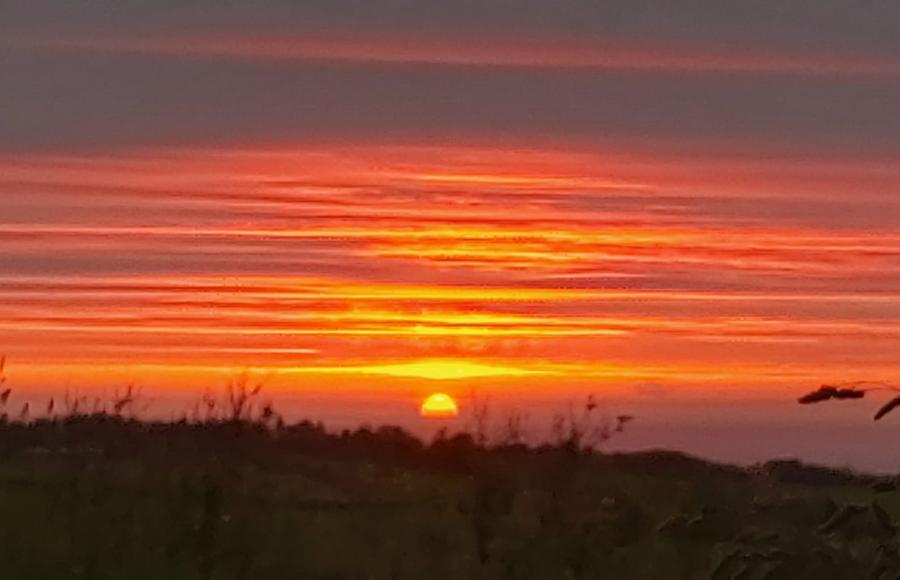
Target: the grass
pixel 99 496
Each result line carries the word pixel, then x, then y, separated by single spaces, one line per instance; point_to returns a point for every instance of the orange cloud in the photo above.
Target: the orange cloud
pixel 372 267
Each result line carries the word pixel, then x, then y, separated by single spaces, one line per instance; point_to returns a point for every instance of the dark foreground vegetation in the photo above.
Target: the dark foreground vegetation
pixel 102 496
pixel 90 491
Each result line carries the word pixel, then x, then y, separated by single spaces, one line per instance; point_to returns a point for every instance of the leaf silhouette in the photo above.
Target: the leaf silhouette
pixel 849 394
pixel 823 393
pixel 888 407
pixel 828 392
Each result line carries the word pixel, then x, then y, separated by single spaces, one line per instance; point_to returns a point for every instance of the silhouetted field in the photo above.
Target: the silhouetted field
pixel 101 496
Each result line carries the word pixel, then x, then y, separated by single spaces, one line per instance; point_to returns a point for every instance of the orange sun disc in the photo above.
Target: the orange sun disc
pixel 439 406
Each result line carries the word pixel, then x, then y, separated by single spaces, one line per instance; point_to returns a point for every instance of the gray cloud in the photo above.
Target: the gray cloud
pixel 87 99
pixel 831 25
pixel 71 99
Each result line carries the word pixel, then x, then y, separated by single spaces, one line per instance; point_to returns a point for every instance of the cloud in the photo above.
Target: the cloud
pixel 141 75
pixel 828 25
pixel 589 56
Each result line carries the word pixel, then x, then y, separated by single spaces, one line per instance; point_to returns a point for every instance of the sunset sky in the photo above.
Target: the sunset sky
pixel 690 210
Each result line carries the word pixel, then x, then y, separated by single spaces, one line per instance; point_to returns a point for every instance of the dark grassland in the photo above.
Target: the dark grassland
pixel 101 496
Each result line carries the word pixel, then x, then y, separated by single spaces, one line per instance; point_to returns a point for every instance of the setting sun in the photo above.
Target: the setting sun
pixel 439 406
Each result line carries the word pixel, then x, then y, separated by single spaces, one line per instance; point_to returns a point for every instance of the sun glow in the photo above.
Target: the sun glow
pixel 444 370
pixel 439 406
